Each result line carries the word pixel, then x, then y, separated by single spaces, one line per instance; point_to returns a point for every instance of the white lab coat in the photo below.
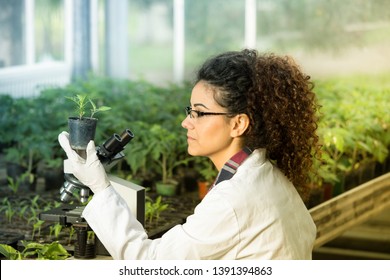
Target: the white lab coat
pixel 257 214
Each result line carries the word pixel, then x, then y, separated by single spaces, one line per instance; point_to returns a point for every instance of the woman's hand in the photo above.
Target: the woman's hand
pixel 89 171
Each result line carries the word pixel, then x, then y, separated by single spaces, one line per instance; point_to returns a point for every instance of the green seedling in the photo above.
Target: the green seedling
pixel 82 103
pixel 34 202
pixel 37 227
pixel 33 250
pixel 72 231
pixel 33 216
pixel 96 109
pixel 14 184
pixel 90 237
pixel 57 230
pixel 22 211
pixel 9 212
pixel 154 209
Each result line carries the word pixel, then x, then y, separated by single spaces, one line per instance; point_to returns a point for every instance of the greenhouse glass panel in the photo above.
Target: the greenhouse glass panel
pixel 212 26
pixel 49 30
pixel 151 40
pixel 328 38
pixel 12 37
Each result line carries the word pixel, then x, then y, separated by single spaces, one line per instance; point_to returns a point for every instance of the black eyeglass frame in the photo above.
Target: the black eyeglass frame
pixel 200 114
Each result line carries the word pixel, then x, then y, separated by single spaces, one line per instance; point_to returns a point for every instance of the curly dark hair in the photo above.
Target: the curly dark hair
pixel 279 100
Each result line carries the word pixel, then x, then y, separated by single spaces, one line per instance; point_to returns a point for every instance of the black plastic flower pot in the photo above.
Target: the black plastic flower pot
pixel 84 248
pixel 81 131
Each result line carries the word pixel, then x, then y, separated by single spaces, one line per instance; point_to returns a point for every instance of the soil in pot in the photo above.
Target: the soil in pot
pixel 81 131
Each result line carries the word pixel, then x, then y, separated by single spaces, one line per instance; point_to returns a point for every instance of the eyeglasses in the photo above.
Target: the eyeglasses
pixel 197 114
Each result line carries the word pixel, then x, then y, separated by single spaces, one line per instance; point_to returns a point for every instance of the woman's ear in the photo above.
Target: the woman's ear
pixel 240 124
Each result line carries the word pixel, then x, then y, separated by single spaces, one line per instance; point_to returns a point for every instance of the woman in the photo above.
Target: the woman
pixel 254 117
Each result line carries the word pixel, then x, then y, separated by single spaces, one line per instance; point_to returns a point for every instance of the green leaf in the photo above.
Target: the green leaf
pixel 55 251
pixel 9 252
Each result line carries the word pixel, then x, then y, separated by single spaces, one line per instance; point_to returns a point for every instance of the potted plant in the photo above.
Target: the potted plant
pixel 207 174
pixel 81 128
pixel 137 157
pixel 164 147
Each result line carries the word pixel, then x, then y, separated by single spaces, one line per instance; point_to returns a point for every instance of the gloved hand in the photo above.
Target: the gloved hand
pixel 88 171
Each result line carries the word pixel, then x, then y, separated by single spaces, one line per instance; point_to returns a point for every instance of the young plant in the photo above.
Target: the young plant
pixel 154 209
pixel 72 231
pixel 34 208
pixel 33 250
pixel 96 109
pixel 35 202
pixel 82 103
pixel 56 230
pixel 4 205
pixel 50 205
pixel 206 169
pixel 10 253
pixel 90 237
pixel 37 227
pixel 9 211
pixel 14 184
pixel 22 212
pixel 36 222
pixel 163 145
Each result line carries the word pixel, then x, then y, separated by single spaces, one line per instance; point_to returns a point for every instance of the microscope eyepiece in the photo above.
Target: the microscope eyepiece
pixel 114 144
pixel 126 136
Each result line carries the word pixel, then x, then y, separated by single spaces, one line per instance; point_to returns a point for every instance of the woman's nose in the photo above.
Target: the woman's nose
pixel 186 123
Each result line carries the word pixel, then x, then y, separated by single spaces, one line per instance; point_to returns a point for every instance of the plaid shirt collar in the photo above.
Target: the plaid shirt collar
pixel 230 167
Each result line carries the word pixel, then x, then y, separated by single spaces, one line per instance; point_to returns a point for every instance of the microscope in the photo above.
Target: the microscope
pixel 109 153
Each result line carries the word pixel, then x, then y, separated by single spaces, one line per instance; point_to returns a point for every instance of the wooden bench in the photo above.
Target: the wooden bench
pixel 351 208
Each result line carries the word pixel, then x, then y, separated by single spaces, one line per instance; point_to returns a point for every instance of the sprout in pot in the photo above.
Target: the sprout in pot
pixel 81 128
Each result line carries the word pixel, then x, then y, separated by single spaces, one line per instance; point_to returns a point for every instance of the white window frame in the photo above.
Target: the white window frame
pixel 28 79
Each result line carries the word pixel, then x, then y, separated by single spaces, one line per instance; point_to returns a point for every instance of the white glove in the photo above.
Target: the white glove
pixel 88 171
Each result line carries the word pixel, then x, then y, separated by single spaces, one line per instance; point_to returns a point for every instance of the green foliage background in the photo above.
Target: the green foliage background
pixel 353 128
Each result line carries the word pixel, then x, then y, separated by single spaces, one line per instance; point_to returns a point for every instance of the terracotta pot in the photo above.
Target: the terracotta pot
pixel 203 188
pixel 328 191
